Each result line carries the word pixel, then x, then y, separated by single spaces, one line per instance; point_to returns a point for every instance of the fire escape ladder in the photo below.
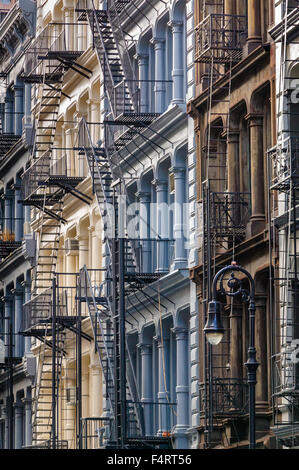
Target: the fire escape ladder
pixel 101 175
pixel 99 310
pixel 47 252
pixel 44 387
pixel 100 169
pixel 218 47
pixel 283 201
pixel 113 11
pixel 108 56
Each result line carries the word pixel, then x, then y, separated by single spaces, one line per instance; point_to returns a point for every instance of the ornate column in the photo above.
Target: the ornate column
pixel 19 219
pixel 182 388
pixel 96 249
pixel 27 99
pixel 83 251
pixel 85 393
pixel 179 216
pixel 261 346
pixel 94 104
pixel 28 420
pixel 162 225
pixel 18 339
pixel 81 159
pixel 147 386
pixel 233 162
pixel 4 428
pixel 70 414
pixel 18 407
pixel 159 46
pixel 144 228
pixel 27 288
pixel 8 114
pixel 254 25
pixel 7 299
pixel 163 392
pixel 69 164
pixel 143 60
pixel 178 60
pixel 257 219
pixel 96 392
pixel 230 7
pixel 69 28
pixel 8 201
pixel 18 96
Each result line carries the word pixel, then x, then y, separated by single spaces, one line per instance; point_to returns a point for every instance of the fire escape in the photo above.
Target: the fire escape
pixel 219 39
pixel 125 271
pixel 283 174
pixel 44 185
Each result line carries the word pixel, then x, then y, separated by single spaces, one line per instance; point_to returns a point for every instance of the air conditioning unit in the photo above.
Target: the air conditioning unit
pixel 71 246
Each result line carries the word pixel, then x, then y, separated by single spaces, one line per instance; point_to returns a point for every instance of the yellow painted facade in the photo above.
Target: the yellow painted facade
pixel 80 240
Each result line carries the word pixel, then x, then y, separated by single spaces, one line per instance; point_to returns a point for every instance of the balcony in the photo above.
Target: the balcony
pixel 7 243
pixel 148 258
pixel 229 214
pixel 220 38
pixel 95 433
pixel 7 141
pixel 229 397
pixel 39 310
pixel 57 42
pixel 54 174
pixel 284 164
pixel 286 371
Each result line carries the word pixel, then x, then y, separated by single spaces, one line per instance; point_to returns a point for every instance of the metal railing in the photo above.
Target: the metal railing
pixel 151 255
pixel 285 371
pixel 44 168
pixel 95 433
pixel 53 39
pixel 284 164
pixel 38 310
pixel 221 37
pixel 229 396
pixel 48 444
pixel 229 213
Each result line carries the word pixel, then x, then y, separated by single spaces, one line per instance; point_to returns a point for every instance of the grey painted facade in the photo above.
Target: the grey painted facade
pixel 17 242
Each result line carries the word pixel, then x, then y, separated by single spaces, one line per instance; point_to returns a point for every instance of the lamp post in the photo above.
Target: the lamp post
pixel 214 329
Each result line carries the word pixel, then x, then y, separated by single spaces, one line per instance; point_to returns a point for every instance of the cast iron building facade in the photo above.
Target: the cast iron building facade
pixel 283 203
pixel 17 245
pixel 234 118
pixel 131 136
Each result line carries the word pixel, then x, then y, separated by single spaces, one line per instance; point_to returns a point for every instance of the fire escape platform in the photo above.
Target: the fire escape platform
pixel 65 184
pixel 6 142
pixel 149 441
pixel 39 78
pixel 69 55
pixel 7 247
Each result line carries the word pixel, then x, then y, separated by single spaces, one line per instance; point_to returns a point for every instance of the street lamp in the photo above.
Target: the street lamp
pixel 214 329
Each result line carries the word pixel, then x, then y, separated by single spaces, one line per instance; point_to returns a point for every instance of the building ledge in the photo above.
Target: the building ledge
pixel 293 26
pixel 165 123
pixel 246 246
pixel 16 31
pixel 241 69
pixel 10 158
pixel 164 286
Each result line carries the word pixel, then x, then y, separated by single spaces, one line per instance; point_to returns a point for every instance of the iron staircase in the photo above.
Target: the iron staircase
pixel 45 387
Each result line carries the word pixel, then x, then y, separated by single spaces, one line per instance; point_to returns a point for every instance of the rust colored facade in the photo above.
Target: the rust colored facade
pixel 234 121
